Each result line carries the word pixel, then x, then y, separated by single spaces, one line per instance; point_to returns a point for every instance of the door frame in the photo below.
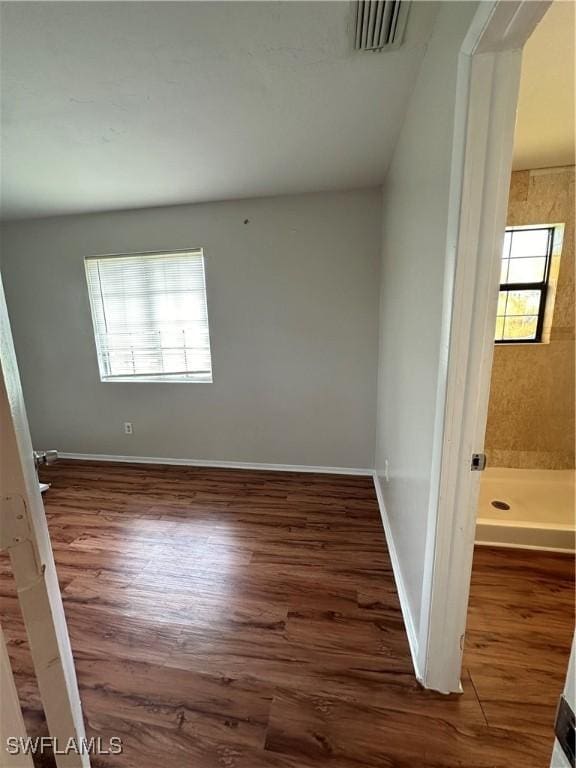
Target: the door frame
pixel 485 115
pixel 11 723
pixel 24 535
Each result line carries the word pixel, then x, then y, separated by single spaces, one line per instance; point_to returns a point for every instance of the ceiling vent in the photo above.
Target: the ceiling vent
pixel 380 24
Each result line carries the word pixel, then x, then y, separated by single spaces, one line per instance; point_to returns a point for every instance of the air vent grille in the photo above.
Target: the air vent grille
pixel 380 24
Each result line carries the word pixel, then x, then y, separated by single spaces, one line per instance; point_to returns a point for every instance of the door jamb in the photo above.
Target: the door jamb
pixel 11 723
pixel 485 114
pixel 24 535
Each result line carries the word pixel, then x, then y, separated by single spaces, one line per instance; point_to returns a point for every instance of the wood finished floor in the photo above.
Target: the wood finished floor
pixel 238 619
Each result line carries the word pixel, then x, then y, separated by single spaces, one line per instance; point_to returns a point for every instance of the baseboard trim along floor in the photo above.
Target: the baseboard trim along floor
pixel 359 471
pixel 399 581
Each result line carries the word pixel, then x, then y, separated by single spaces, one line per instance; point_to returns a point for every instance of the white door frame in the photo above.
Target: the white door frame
pixel 24 535
pixel 11 720
pixel 485 115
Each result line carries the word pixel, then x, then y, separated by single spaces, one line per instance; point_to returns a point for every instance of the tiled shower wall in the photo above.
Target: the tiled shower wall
pixel 531 413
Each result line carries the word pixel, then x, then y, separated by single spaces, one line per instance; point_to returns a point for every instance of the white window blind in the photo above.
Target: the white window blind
pixel 150 316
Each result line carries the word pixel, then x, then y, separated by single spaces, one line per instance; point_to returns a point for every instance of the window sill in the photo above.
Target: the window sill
pixel 516 344
pixel 158 380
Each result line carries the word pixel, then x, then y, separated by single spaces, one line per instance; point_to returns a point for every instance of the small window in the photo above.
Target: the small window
pixel 150 316
pixel 523 284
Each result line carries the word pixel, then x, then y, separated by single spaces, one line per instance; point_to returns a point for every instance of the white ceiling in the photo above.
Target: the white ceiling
pixel 545 126
pixel 133 104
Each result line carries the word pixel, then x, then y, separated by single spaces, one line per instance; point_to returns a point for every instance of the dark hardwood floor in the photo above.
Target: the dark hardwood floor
pixel 238 619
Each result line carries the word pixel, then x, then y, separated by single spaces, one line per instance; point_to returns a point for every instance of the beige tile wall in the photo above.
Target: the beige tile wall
pixel 531 412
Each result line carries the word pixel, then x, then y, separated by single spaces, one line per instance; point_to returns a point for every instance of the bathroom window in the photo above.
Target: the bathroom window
pixel 526 259
pixel 150 316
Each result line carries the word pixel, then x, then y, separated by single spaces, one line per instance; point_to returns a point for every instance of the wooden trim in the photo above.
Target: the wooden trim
pixel 507 25
pixel 11 722
pixel 453 539
pixel 33 564
pixel 409 624
pixel 363 472
pixel 487 93
pixel 456 192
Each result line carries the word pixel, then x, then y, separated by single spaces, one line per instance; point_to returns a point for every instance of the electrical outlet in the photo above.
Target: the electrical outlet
pixel 386 470
pixel 128 428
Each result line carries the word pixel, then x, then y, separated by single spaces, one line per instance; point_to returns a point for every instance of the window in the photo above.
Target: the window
pixel 523 284
pixel 150 316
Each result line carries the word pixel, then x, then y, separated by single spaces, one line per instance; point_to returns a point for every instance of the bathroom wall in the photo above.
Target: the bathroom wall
pixel 531 413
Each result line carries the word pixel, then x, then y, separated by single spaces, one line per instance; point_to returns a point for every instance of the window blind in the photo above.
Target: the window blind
pixel 150 316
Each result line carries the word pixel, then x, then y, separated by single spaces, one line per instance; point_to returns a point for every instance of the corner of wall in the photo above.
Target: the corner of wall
pixel 409 623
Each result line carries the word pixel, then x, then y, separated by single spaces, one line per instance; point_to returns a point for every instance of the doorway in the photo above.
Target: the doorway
pixel 521 608
pixel 481 174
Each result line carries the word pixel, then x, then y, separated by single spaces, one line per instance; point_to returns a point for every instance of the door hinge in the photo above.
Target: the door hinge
pixel 14 526
pixel 478 463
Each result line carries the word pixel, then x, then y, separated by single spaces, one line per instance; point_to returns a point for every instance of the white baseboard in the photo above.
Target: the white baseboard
pixel 218 464
pixel 400 588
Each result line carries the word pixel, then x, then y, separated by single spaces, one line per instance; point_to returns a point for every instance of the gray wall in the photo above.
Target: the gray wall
pixel 293 307
pixel 412 276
